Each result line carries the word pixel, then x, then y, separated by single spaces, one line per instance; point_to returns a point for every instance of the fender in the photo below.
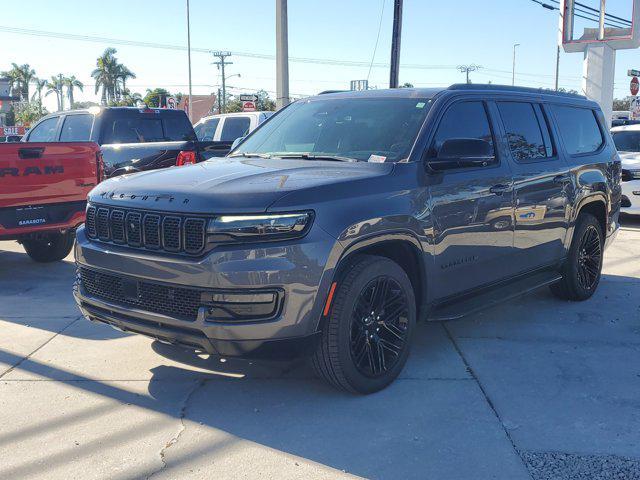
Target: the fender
pixel 596 196
pixel 340 254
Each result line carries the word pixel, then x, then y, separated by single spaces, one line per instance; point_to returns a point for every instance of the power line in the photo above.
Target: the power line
pixel 598 12
pixel 592 16
pixel 375 48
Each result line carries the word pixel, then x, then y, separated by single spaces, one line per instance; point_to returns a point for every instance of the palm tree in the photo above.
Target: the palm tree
pixel 55 85
pixel 123 74
pixel 130 99
pixel 111 76
pixel 40 85
pixel 71 83
pixel 20 76
pixel 105 75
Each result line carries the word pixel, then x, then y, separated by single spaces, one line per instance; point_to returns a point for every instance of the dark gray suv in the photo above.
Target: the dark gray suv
pixel 346 217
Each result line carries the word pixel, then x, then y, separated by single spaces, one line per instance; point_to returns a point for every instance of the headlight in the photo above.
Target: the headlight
pixel 252 228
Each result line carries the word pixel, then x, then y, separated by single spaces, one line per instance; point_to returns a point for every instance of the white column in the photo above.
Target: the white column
pixel 598 75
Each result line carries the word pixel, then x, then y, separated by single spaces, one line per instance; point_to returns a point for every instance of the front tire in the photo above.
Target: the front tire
pixel 50 248
pixel 365 341
pixel 582 270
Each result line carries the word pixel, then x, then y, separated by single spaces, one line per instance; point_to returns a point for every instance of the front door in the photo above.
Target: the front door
pixel 542 184
pixel 472 209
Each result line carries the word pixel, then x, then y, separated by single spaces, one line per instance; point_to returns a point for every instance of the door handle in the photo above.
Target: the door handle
pixel 500 189
pixel 33 152
pixel 562 179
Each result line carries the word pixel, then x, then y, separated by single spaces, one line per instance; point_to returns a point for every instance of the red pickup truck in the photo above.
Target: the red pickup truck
pixel 43 191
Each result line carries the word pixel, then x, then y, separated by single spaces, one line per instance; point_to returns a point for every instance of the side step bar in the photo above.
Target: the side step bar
pixel 487 298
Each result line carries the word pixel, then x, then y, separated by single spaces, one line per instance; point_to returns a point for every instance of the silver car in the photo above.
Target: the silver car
pixel 627 140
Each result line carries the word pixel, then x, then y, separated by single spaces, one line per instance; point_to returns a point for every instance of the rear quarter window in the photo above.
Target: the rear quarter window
pixel 178 128
pixel 578 128
pixel 76 128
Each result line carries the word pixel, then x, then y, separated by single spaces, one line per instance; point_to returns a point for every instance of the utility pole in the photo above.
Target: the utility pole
pixel 513 69
pixel 395 44
pixel 189 57
pixel 557 66
pixel 221 64
pixel 469 68
pixel 282 55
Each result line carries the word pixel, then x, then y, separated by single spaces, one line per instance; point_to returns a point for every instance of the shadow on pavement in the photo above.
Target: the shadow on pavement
pixel 40 295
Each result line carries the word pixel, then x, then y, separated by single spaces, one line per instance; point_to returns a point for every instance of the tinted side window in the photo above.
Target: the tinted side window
pixel 45 131
pixel 207 129
pixel 134 130
pixel 463 120
pixel 76 128
pixel 526 129
pixel 178 128
pixel 234 127
pixel 578 128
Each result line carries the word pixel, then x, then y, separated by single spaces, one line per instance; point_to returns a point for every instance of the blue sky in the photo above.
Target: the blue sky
pixel 437 34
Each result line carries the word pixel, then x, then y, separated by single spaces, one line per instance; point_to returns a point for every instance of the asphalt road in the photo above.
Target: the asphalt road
pixel 535 388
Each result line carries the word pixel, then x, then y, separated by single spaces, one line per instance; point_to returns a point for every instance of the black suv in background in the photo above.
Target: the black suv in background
pixel 132 139
pixel 335 226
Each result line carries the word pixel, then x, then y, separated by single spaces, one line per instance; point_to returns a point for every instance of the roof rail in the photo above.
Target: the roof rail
pixel 509 88
pixel 324 92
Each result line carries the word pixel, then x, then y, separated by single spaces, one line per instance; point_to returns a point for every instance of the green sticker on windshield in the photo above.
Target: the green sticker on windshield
pixel 420 105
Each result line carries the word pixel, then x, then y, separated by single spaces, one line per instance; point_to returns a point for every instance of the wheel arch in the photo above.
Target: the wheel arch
pixel 596 205
pixel 404 249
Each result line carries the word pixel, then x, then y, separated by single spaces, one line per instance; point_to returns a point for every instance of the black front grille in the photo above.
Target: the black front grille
pixel 139 229
pixel 179 302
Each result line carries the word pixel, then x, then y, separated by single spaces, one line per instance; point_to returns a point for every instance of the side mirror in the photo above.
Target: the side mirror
pixel 237 142
pixel 461 153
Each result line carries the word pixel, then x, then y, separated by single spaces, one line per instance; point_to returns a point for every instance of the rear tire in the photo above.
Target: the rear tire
pixel 365 341
pixel 50 248
pixel 582 269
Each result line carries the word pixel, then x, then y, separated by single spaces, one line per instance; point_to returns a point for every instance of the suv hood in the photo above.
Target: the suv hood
pixel 228 185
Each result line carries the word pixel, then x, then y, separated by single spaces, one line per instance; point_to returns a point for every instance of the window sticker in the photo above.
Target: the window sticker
pixel 377 159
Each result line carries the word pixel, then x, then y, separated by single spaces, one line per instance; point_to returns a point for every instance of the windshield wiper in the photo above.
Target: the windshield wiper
pixel 308 156
pixel 250 155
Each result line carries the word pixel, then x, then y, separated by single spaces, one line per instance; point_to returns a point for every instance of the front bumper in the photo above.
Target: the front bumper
pixel 631 197
pixel 296 269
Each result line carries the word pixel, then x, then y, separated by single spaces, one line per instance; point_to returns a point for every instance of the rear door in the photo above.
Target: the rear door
pixel 40 173
pixel 472 208
pixel 542 183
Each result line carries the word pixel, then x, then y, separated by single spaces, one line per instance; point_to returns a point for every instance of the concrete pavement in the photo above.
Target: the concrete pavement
pixel 535 388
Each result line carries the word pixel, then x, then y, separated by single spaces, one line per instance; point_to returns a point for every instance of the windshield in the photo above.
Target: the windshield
pixel 628 141
pixel 367 129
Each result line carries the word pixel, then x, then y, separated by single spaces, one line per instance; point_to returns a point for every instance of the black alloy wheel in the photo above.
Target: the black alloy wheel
pixel 379 326
pixel 589 258
pixel 367 330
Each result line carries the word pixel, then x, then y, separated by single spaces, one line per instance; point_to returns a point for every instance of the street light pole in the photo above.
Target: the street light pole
pixel 513 71
pixel 189 57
